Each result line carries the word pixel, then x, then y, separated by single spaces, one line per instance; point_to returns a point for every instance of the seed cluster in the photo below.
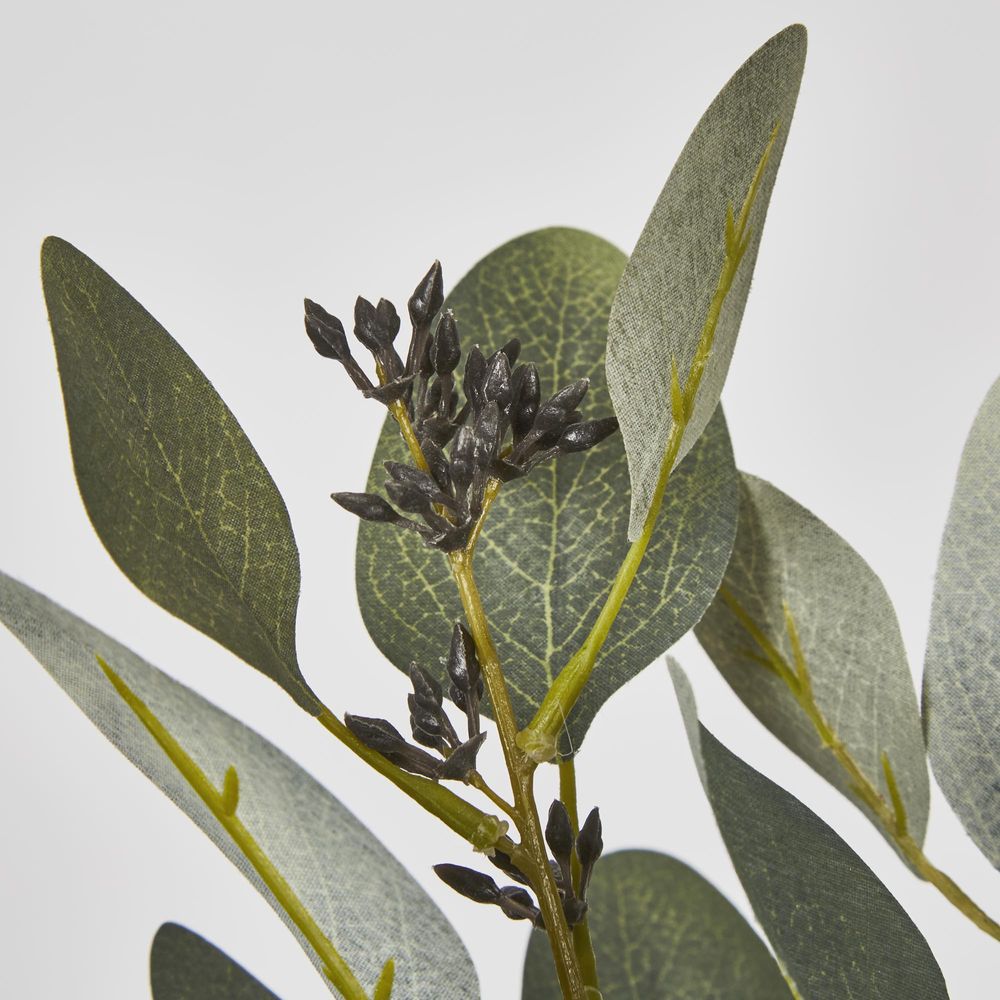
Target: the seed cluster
pixel 502 430
pixel 429 722
pixel 515 901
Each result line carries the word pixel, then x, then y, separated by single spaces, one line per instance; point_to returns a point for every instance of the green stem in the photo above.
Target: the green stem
pixel 891 815
pixel 582 943
pixel 223 805
pixel 521 771
pixel 531 854
pixel 539 739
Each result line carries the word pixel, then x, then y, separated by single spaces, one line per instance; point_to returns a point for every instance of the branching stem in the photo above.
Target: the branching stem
pixel 890 814
pixel 531 852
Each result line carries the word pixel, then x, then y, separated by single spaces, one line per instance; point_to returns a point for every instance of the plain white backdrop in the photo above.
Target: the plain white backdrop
pixel 222 160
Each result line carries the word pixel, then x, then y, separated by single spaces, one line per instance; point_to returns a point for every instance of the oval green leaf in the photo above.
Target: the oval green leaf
pixel 661 930
pixel 839 931
pixel 962 665
pixel 361 897
pixel 668 283
pixel 184 966
pixel 553 541
pixel 849 636
pixel 174 489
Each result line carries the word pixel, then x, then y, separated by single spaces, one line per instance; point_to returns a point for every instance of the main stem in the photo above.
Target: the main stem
pixel 520 768
pixel 521 771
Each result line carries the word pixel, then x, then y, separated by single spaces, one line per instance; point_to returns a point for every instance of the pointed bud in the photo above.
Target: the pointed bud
pixel 589 845
pixel 497 384
pixel 524 402
pixel 368 326
pixel 367 506
pixel 438 464
pixel 407 497
pixel 517 903
pixel 506 865
pixel 446 351
pixel 428 297
pixel 463 459
pixel 553 412
pixel 513 351
pixel 581 436
pixel 462 759
pixel 559 832
pixel 471 884
pixel 420 480
pixel 326 332
pixel 475 378
pixel 384 738
pixel 487 431
pixel 388 319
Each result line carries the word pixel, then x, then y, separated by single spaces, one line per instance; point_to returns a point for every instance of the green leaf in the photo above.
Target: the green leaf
pixel 839 932
pixel 553 541
pixel 184 966
pixel 962 666
pixel 174 489
pixel 849 636
pixel 664 295
pixel 662 931
pixel 365 902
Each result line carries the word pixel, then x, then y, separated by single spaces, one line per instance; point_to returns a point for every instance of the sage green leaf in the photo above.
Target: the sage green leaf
pixel 184 966
pixel 671 277
pixel 838 930
pixel 962 665
pixel 662 931
pixel 365 902
pixel 849 636
pixel 553 541
pixel 174 489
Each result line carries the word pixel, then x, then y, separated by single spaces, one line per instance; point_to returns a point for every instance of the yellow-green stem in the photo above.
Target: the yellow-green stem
pixel 223 805
pixel 521 771
pixel 539 739
pixel 582 942
pixel 531 853
pixel 890 814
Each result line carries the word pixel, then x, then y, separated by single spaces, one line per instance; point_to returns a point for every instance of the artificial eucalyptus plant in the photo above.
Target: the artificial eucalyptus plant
pixel 553 502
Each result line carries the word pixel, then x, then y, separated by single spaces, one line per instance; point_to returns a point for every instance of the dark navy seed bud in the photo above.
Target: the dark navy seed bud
pixel 367 506
pixel 388 318
pixel 462 759
pixel 326 332
pixel 446 351
pixel 580 437
pixel 497 384
pixel 471 884
pixel 407 497
pixel 525 405
pixel 368 326
pixel 559 833
pixel 428 296
pixel 475 378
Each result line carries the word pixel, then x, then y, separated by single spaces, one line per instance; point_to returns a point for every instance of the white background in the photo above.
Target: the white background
pixel 223 160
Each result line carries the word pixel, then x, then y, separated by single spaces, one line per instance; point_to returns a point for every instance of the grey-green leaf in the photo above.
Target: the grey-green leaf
pixel 962 666
pixel 850 639
pixel 184 966
pixel 360 896
pixel 553 541
pixel 838 930
pixel 662 301
pixel 174 489
pixel 662 932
